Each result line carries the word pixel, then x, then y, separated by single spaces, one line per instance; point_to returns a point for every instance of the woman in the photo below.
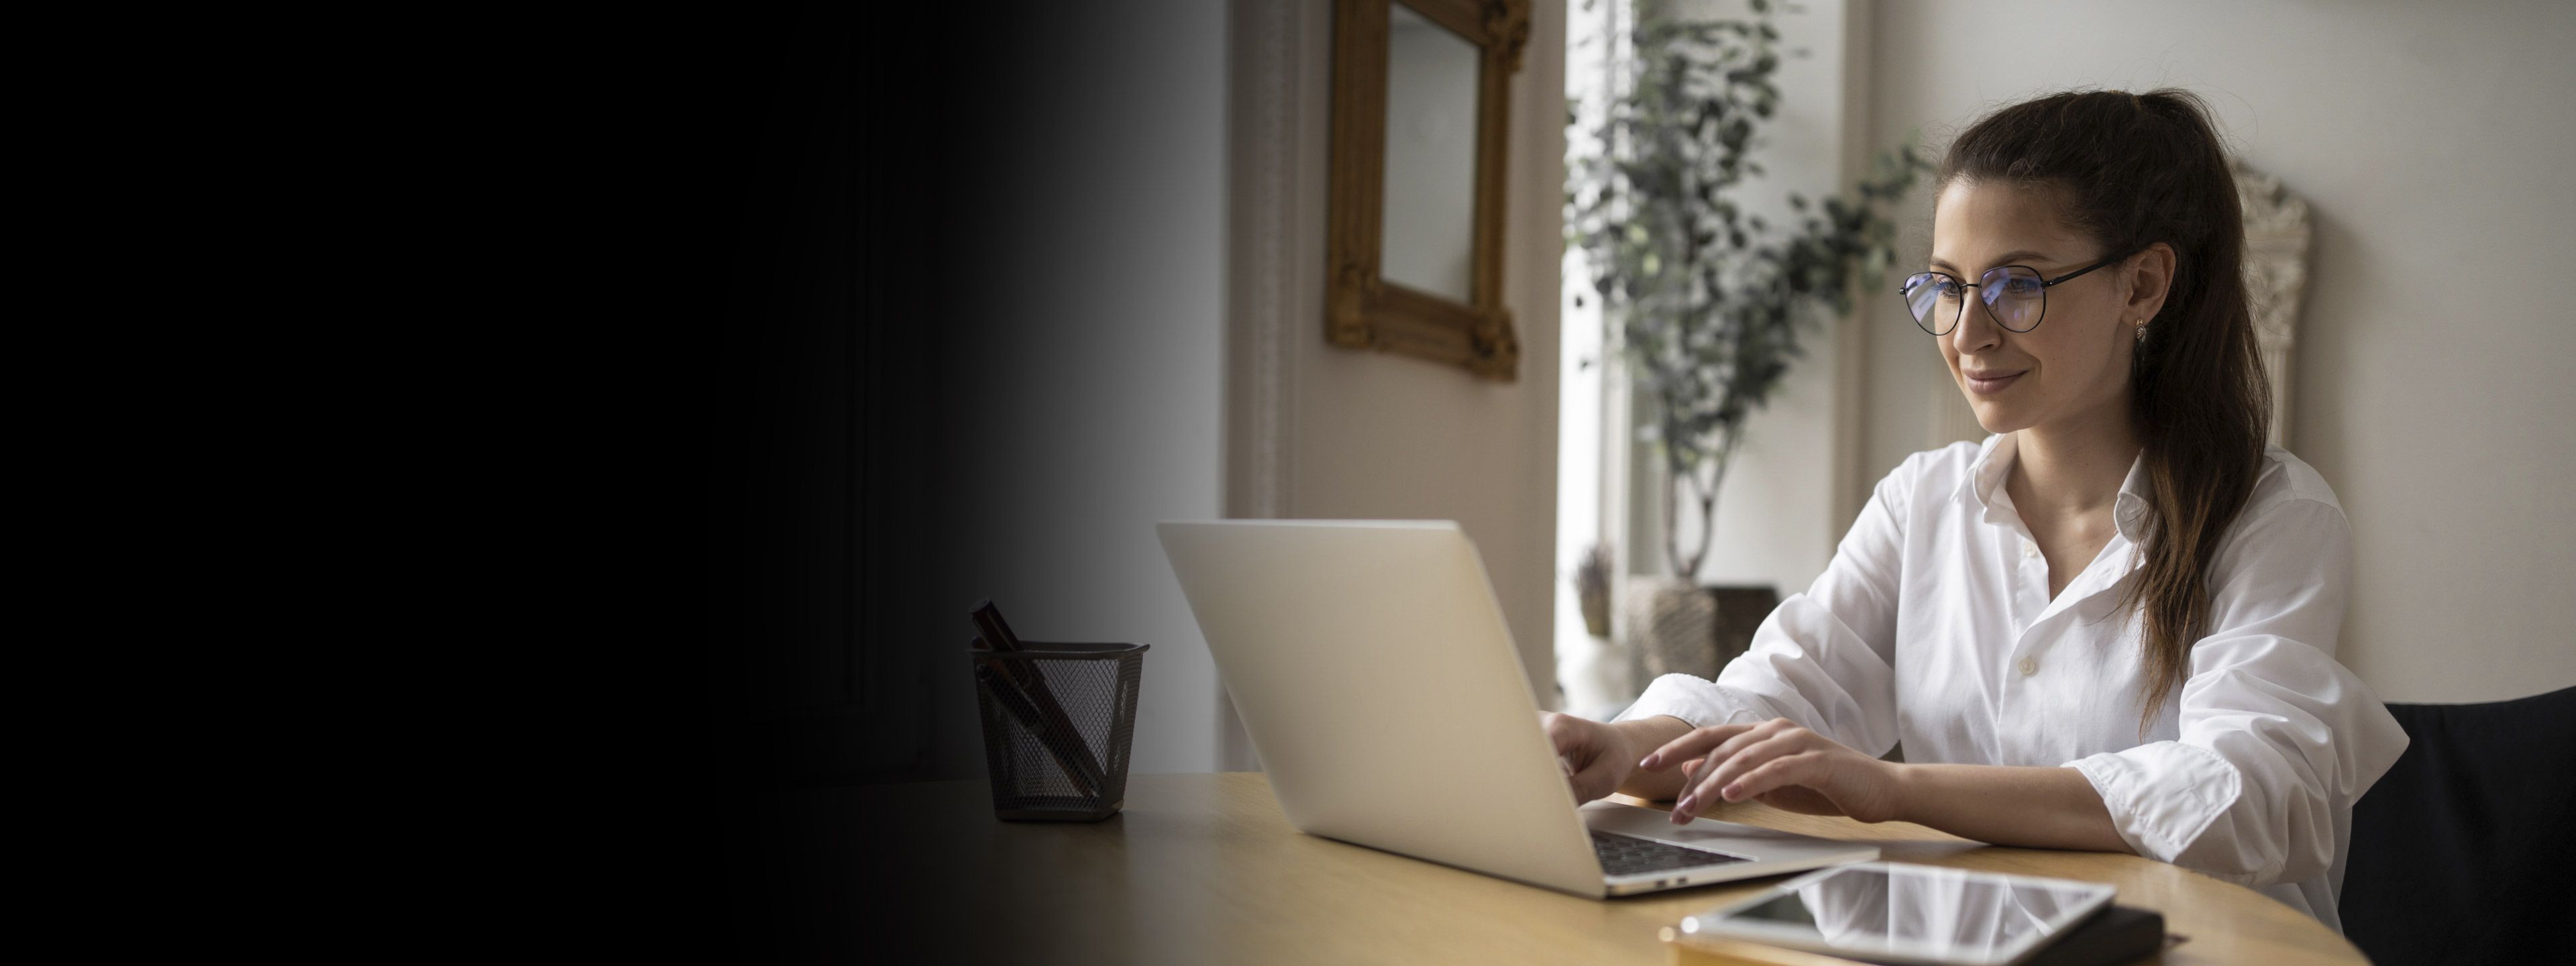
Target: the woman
pixel 2110 626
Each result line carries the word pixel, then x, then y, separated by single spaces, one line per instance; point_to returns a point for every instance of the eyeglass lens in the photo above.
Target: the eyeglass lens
pixel 2015 294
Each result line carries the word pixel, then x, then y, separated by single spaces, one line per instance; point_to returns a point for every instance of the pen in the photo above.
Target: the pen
pixel 1065 746
pixel 997 632
pixel 997 635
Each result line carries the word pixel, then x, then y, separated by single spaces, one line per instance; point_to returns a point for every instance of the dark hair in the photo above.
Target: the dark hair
pixel 2133 170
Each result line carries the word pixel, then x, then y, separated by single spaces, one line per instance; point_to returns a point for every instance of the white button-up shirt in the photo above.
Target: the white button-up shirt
pixel 1933 626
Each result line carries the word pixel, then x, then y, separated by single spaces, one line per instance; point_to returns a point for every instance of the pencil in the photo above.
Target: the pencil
pixel 1066 748
pixel 998 636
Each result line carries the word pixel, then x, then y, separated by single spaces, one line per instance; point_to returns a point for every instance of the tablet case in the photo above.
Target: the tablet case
pixel 2117 934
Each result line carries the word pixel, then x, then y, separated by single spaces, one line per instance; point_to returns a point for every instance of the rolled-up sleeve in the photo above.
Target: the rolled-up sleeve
pixel 2275 739
pixel 1823 658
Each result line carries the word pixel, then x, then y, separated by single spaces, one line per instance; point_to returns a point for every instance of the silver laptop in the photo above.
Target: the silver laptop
pixel 1377 680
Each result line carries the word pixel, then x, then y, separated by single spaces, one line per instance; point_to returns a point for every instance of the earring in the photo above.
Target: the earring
pixel 2142 332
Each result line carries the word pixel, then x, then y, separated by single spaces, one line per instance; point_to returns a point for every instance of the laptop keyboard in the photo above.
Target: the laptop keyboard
pixel 1625 854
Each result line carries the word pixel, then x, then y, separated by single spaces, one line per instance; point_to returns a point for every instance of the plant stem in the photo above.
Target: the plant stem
pixel 1707 497
pixel 1675 474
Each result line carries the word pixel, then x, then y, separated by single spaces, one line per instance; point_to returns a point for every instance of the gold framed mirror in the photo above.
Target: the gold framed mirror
pixel 1421 120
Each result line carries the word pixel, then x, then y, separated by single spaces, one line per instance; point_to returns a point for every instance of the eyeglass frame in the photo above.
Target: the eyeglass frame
pixel 2045 283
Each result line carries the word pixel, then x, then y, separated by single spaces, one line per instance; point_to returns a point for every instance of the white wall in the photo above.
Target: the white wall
pixel 2431 142
pixel 1379 435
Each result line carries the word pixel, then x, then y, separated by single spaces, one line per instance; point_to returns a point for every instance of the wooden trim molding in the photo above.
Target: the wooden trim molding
pixel 1276 163
pixel 1362 308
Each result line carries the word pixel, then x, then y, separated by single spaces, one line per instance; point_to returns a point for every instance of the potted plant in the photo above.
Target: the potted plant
pixel 1705 302
pixel 1595 677
pixel 1592 589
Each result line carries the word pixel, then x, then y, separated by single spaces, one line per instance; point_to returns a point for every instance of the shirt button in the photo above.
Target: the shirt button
pixel 2029 666
pixel 2029 549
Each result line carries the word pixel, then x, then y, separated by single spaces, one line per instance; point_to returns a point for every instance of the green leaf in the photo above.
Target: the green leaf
pixel 1709 314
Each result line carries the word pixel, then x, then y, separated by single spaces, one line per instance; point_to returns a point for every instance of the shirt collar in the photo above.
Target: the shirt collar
pixel 2130 511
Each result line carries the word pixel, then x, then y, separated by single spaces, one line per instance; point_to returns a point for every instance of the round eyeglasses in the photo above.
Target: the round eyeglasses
pixel 2015 295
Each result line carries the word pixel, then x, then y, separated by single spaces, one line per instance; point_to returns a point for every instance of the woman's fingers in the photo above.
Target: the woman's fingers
pixel 1596 778
pixel 1567 732
pixel 1698 769
pixel 1721 762
pixel 1579 744
pixel 1751 755
pixel 1692 744
pixel 1806 768
pixel 1702 790
pixel 1727 750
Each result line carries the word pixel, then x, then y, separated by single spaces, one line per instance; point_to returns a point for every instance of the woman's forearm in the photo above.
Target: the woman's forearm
pixel 2039 807
pixel 2035 807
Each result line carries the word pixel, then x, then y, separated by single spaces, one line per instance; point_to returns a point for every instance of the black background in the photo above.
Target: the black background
pixel 599 366
pixel 836 146
pixel 814 309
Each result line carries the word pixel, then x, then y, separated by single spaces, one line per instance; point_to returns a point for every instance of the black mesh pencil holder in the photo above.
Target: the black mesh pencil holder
pixel 1058 719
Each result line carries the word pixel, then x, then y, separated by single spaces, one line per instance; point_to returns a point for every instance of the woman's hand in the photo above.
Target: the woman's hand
pixel 1598 756
pixel 1782 765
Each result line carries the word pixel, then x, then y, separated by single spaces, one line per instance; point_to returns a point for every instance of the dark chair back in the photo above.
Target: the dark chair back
pixel 2462 852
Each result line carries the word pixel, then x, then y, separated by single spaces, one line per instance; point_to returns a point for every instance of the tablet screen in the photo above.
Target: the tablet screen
pixel 1913 911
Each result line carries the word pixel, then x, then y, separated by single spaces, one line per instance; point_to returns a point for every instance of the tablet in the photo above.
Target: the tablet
pixel 1897 912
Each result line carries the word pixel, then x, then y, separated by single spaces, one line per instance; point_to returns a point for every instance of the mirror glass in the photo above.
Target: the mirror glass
pixel 1428 236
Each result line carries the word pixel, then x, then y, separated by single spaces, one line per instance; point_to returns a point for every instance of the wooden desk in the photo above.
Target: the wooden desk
pixel 1203 868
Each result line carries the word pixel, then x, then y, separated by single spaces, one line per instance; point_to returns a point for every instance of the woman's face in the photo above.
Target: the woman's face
pixel 2073 368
